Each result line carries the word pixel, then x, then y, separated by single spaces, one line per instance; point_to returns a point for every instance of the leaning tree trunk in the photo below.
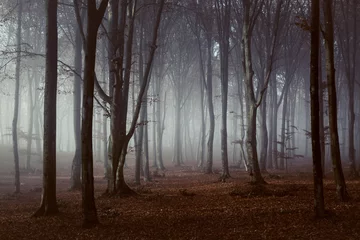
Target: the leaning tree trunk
pixel 48 199
pixel 252 103
pixel 330 70
pixel 17 99
pixel 121 186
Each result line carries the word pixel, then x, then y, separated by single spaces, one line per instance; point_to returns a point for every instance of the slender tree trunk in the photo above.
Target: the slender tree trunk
pixel 209 92
pixel 330 70
pixel 31 124
pixel 94 18
pixel 121 187
pixel 321 111
pixel 264 135
pixel 154 145
pixel 275 126
pixel 283 122
pixel 160 125
pixel 177 136
pixel 48 199
pixel 140 132
pixel 17 99
pixel 146 146
pixel 203 126
pixel 271 123
pixel 252 104
pixel 76 164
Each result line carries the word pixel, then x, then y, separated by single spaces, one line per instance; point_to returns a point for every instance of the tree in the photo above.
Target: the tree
pixel 223 26
pixel 347 42
pixel 48 199
pixel 315 117
pixel 17 96
pixel 267 59
pixel 330 72
pixel 94 19
pixel 252 105
pixel 76 164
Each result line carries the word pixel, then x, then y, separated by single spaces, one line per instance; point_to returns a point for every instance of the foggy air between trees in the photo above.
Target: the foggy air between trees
pixel 103 99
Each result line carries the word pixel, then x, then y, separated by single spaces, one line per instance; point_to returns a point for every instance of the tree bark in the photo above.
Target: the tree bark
pixel 48 199
pixel 209 93
pixel 252 103
pixel 223 21
pixel 315 118
pixel 76 164
pixel 17 99
pixel 330 70
pixel 94 18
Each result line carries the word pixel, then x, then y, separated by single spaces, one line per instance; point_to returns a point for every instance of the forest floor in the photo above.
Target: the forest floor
pixel 185 204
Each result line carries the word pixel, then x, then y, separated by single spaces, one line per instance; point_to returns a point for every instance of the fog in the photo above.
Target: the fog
pixel 178 85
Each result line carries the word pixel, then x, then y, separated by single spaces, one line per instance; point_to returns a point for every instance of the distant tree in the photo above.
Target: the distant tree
pixel 347 41
pixel 48 200
pixel 17 98
pixel 76 164
pixel 315 117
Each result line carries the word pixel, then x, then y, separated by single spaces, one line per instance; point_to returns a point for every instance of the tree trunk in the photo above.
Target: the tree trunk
pixel 17 99
pixel 48 199
pixel 76 163
pixel 330 70
pixel 94 18
pixel 283 138
pixel 271 123
pixel 264 135
pixel 223 20
pixel 315 119
pixel 160 125
pixel 209 92
pixel 31 123
pixel 146 146
pixel 252 104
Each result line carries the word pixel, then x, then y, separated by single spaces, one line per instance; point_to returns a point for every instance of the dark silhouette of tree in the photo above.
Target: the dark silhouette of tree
pixel 223 8
pixel 48 199
pixel 94 19
pixel 330 72
pixel 315 117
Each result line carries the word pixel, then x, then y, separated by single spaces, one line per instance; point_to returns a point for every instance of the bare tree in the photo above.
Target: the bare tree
pixel 251 10
pixel 330 70
pixel 76 164
pixel 48 199
pixel 94 19
pixel 223 8
pixel 315 117
pixel 17 97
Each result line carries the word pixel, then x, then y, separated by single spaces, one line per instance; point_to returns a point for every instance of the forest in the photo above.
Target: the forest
pixel 179 119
